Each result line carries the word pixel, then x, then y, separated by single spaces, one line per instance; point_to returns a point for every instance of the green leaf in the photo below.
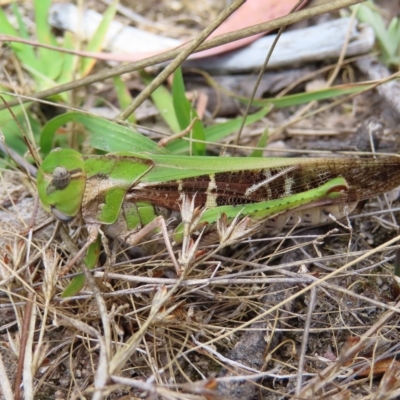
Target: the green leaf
pixel 11 131
pixel 104 135
pixel 186 113
pixel 388 38
pixel 162 100
pixel 96 42
pixel 51 61
pixel 217 132
pixel 68 66
pixel 261 145
pixel 304 98
pixel 91 259
pixel 124 96
pixel 24 52
pixel 23 31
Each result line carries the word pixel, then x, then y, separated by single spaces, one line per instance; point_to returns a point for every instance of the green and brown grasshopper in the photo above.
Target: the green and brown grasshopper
pixel 131 193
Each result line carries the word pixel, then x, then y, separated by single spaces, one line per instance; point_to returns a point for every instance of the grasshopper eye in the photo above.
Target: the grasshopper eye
pixel 61 178
pixel 60 215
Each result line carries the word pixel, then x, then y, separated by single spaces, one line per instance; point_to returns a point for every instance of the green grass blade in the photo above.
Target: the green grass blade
pixel 182 105
pixel 304 98
pixel 69 64
pixel 218 132
pixel 365 13
pixel 51 61
pixel 43 28
pixel 23 51
pixel 162 99
pixel 23 31
pixel 261 144
pixel 186 113
pixel 91 258
pixel 387 37
pixel 43 70
pixel 96 43
pixel 104 135
pixel 124 96
pixel 11 131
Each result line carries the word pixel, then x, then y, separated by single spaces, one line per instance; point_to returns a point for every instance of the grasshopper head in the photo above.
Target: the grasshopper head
pixel 61 183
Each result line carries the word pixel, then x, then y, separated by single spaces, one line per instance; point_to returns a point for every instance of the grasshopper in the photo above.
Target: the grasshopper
pixel 131 194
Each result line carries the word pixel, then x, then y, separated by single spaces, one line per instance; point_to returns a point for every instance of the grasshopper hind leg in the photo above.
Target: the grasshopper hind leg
pixel 312 216
pixel 93 230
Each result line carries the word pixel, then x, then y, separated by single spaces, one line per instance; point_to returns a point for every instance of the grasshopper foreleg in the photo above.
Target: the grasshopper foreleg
pixel 93 231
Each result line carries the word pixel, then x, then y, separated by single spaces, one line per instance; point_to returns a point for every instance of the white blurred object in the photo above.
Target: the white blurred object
pixel 119 38
pixel 316 43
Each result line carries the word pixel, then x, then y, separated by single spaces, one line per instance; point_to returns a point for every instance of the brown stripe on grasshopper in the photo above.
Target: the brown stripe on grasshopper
pixel 223 188
pixel 365 177
pixel 227 188
pixel 269 177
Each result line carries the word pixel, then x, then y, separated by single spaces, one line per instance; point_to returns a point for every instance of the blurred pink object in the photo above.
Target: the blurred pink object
pixel 251 13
